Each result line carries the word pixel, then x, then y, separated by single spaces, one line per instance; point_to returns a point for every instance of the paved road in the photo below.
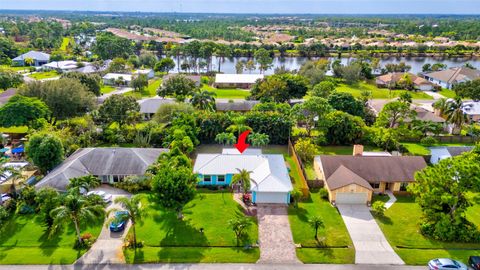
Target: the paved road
pixel 213 267
pixel 371 247
pixel 275 236
pixel 108 247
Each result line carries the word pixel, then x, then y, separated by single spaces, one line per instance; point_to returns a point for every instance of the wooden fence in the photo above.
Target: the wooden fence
pixel 304 189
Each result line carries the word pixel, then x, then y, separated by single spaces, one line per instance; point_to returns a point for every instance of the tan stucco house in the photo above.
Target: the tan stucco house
pixel 353 179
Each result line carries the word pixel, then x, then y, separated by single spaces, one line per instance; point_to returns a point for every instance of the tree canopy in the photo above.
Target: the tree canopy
pixel 22 111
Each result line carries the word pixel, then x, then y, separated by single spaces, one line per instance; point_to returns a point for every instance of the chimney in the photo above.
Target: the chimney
pixel 358 150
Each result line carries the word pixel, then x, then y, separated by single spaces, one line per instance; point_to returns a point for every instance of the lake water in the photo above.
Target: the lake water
pixel 294 63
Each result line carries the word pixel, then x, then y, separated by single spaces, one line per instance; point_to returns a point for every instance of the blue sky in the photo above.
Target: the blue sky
pixel 257 6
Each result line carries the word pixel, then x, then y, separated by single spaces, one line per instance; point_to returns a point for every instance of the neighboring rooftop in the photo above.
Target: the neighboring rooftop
pixel 455 75
pixel 41 56
pixel 151 105
pixel 238 78
pixel 101 161
pixel 471 107
pixel 237 105
pixel 116 76
pixel 196 78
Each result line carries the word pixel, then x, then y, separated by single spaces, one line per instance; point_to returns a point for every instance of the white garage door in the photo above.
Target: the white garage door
pixel 271 197
pixel 351 198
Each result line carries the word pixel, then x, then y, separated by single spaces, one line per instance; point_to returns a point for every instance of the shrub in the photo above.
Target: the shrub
pixel 305 149
pixel 323 193
pixel 428 141
pixel 378 208
pixel 3 215
pixel 134 184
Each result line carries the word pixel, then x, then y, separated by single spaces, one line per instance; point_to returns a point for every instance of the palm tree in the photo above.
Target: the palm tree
pixel 225 138
pixel 243 177
pixel 316 223
pixel 238 125
pixel 239 225
pixel 426 126
pixel 455 114
pixel 132 211
pixel 441 106
pixel 259 139
pixel 75 209
pixel 85 183
pixel 204 100
pixel 29 61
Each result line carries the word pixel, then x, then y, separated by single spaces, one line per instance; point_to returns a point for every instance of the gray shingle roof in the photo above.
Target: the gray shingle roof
pixel 101 161
pixel 34 55
pixel 344 177
pixel 458 150
pixel 151 105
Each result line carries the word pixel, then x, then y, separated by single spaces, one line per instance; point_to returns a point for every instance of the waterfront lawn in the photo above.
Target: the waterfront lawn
pixel 227 93
pixel 44 75
pixel 335 246
pixel 168 239
pixel 401 228
pixel 378 93
pixel 23 240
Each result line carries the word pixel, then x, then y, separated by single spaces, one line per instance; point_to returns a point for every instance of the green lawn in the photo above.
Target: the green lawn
pixel 418 149
pixel 343 149
pixel 401 228
pixel 23 240
pixel 447 93
pixel 150 91
pixel 16 130
pixel 228 93
pixel 336 246
pixel 378 93
pixel 295 173
pixel 107 89
pixel 44 75
pixel 310 171
pixel 65 42
pixel 165 236
pixel 10 68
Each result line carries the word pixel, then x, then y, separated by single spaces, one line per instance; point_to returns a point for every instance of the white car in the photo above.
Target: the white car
pixel 105 196
pixel 444 264
pixel 5 197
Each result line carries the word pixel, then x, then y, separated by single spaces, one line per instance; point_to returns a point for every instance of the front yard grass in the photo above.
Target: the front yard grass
pixel 447 93
pixel 23 240
pixel 401 228
pixel 149 91
pixel 227 93
pixel 378 93
pixel 44 75
pixel 107 89
pixel 168 239
pixel 336 247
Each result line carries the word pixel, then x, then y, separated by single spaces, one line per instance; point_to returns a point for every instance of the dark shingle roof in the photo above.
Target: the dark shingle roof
pixel 458 150
pixel 374 169
pixel 344 177
pixel 237 106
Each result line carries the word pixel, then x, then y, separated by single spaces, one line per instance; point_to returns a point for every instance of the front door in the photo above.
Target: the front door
pixel 387 186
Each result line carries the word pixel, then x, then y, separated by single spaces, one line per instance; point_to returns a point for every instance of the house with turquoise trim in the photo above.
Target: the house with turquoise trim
pixel 270 182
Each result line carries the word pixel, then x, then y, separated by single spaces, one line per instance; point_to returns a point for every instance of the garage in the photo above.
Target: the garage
pixel 351 198
pixel 271 197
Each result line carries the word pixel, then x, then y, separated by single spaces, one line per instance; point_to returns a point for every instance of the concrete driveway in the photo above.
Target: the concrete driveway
pixel 276 241
pixel 371 247
pixel 108 247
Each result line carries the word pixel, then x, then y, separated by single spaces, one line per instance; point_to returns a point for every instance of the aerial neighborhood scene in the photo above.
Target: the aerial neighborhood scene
pixel 266 135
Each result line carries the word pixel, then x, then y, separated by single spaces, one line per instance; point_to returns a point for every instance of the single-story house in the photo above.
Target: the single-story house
pixel 354 179
pixel 236 106
pixel 423 114
pixel 61 66
pixel 391 80
pixel 149 72
pixel 39 58
pixel 196 78
pixel 472 110
pixel 449 77
pixel 117 79
pixel 442 152
pixel 270 182
pixel 148 107
pixel 110 165
pixel 7 94
pixel 244 81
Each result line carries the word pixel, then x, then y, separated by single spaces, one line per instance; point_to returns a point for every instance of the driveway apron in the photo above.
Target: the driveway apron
pixel 371 246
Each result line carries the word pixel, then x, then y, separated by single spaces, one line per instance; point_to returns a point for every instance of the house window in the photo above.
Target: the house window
pixel 115 178
pixel 403 186
pixel 221 178
pixel 375 185
pixel 207 178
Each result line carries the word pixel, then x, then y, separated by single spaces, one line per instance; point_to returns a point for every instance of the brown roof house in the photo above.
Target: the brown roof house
pixel 448 78
pixel 393 80
pixel 354 179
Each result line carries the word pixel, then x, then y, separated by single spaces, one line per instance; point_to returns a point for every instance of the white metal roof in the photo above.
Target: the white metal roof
pixel 471 108
pixel 268 172
pixel 63 65
pixel 234 151
pixel 237 78
pixel 115 76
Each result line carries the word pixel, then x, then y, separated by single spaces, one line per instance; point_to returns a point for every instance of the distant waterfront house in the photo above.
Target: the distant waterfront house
pixel 195 78
pixel 39 58
pixel 472 110
pixel 244 81
pixel 422 114
pixel 270 182
pixel 393 80
pixel 442 152
pixel 117 79
pixel 448 78
pixel 149 72
pixel 110 165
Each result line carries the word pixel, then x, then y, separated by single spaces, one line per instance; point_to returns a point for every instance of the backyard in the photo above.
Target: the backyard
pixel 401 228
pixel 227 93
pixel 377 93
pixel 417 149
pixel 335 245
pixel 149 91
pixel 23 240
pixel 169 239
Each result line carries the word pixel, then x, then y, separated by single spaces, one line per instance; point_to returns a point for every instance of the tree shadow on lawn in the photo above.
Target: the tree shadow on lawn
pixel 383 219
pixel 9 229
pixel 300 212
pixel 180 232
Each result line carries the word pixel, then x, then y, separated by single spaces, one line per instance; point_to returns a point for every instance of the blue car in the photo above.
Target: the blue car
pixel 118 224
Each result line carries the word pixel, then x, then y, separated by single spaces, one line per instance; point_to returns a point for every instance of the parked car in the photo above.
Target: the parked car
pixel 5 197
pixel 105 196
pixel 118 225
pixel 474 262
pixel 444 264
